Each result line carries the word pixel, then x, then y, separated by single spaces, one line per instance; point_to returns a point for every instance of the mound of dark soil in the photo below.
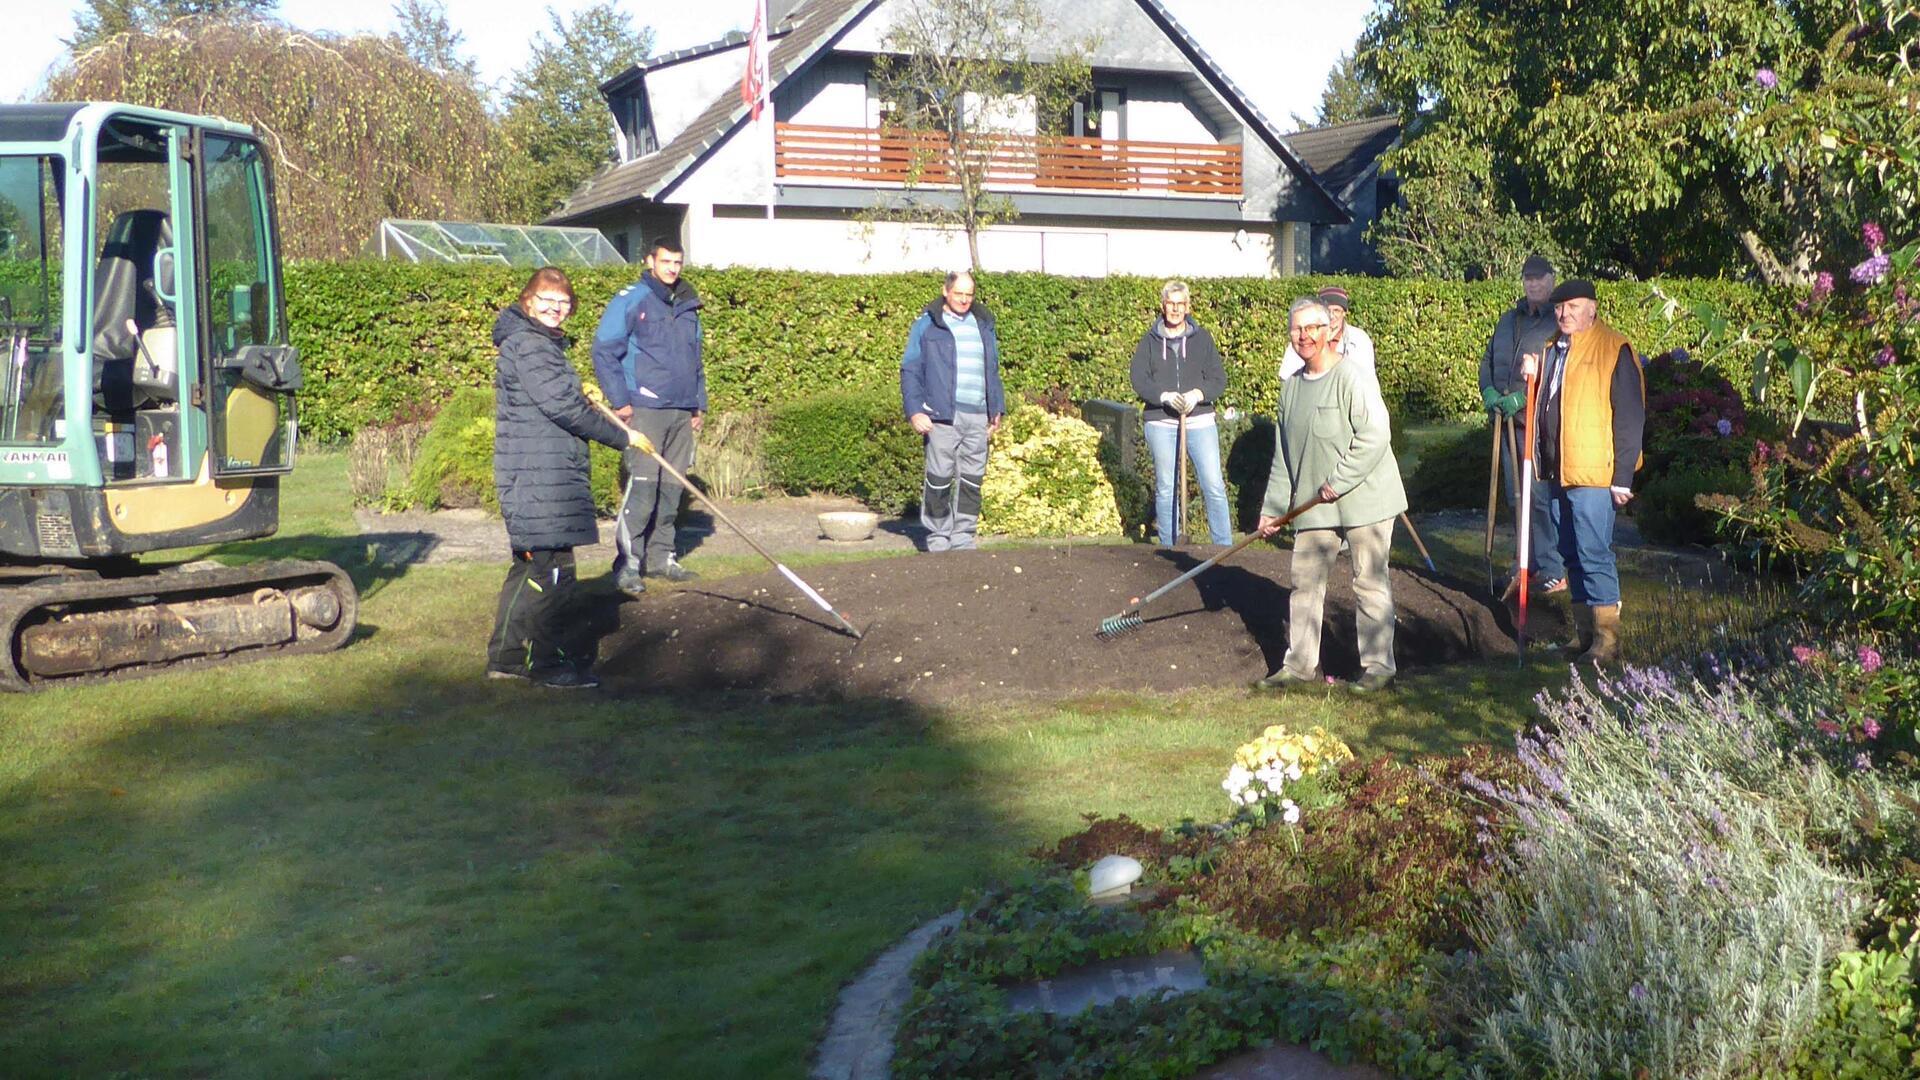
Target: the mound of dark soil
pixel 1015 622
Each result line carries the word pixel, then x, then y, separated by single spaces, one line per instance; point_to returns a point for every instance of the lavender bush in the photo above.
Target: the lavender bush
pixel 1674 901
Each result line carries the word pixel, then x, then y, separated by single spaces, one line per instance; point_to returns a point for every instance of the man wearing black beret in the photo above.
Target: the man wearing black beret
pixel 1524 328
pixel 1591 414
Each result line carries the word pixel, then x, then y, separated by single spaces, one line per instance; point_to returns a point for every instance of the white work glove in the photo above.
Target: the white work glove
pixel 639 442
pixel 1172 400
pixel 1192 398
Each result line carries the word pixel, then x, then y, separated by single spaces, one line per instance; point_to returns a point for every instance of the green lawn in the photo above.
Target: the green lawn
pixel 375 863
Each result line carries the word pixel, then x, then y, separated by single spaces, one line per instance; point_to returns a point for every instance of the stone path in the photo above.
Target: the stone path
pixel 859 1043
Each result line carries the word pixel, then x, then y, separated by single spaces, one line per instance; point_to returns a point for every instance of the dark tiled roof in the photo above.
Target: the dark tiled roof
pixel 1341 153
pixel 1215 74
pixel 812 25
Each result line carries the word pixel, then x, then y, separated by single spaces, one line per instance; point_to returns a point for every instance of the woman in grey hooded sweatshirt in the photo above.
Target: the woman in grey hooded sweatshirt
pixel 1178 372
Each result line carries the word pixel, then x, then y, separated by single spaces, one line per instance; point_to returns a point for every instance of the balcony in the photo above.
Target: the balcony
pixel 888 158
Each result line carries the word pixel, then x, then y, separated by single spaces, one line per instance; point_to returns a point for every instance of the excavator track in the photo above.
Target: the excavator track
pixel 63 630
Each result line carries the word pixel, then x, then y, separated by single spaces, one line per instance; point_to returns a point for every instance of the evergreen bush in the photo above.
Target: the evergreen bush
pixel 1451 473
pixel 1044 478
pixel 852 443
pixel 454 465
pixel 1667 509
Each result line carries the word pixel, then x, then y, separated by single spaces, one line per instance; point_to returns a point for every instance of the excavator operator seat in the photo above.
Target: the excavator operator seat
pixel 132 365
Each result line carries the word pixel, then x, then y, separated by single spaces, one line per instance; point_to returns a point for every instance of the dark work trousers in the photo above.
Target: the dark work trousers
pixel 531 630
pixel 650 499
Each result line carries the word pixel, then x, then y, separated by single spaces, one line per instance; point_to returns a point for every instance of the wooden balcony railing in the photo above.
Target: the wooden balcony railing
pixel 890 157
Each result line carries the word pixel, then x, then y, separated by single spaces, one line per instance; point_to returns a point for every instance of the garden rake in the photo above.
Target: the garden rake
pixel 806 589
pixel 1493 496
pixel 1129 620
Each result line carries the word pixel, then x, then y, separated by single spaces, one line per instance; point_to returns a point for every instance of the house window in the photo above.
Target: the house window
pixel 1101 114
pixel 635 121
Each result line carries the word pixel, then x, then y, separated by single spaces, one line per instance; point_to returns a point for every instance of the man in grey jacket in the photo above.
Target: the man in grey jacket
pixel 1334 442
pixel 1524 329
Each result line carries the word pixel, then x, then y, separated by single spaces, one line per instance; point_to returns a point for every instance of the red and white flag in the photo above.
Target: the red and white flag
pixel 753 82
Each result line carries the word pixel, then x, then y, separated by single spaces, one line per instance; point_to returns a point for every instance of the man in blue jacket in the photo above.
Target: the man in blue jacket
pixel 950 389
pixel 646 355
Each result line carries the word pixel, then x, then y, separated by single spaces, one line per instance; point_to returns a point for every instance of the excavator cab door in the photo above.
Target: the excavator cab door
pixel 253 370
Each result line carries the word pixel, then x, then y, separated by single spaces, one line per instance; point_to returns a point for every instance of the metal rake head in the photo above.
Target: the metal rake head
pixel 1115 625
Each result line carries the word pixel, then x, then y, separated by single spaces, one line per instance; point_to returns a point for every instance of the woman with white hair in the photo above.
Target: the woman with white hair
pixel 1177 371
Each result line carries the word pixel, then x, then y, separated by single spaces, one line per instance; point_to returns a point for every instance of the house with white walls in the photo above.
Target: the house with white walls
pixel 1168 168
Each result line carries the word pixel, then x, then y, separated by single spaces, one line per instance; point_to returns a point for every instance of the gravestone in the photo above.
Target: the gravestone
pixel 1108 981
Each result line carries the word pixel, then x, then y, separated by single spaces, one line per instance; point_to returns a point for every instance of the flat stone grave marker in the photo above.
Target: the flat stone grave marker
pixel 1108 981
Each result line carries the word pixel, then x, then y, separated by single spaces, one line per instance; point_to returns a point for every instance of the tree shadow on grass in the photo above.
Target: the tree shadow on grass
pixel 358 868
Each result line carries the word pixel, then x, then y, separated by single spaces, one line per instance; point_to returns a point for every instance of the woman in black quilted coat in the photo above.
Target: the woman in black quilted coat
pixel 542 421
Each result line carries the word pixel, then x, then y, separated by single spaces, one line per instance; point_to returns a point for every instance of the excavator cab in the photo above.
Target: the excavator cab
pixel 148 399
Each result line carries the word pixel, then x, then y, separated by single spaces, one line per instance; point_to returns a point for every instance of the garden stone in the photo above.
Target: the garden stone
pixel 1109 981
pixel 1279 1062
pixel 1113 876
pixel 859 1043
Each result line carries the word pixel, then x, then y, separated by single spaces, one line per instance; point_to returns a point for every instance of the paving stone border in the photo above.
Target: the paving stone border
pixel 859 1042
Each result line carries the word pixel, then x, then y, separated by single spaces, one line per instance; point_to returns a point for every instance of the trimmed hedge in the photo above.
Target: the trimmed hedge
pixel 845 443
pixel 378 338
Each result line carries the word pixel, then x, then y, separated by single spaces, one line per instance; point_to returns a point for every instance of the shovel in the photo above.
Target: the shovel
pixel 1493 497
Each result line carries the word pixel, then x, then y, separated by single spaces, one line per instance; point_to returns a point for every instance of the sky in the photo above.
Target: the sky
pixel 1278 51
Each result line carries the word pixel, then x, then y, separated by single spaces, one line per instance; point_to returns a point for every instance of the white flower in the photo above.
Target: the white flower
pixel 1294 772
pixel 1292 812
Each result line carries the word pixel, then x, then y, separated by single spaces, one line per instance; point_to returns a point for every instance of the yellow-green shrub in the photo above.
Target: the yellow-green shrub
pixel 1044 478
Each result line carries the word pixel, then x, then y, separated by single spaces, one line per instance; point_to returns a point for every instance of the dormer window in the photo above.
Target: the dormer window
pixel 635 121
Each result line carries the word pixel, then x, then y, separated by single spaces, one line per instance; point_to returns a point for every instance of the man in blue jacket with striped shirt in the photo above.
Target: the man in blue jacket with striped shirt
pixel 646 355
pixel 950 389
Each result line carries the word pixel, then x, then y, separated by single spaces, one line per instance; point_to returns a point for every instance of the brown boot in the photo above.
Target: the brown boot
pixel 1606 635
pixel 1582 633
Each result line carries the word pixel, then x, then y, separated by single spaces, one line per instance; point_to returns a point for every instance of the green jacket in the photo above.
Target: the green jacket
pixel 1334 430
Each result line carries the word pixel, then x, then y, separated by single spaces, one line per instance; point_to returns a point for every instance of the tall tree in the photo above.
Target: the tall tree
pixel 967 81
pixel 357 130
pixel 1637 130
pixel 427 36
pixel 1350 95
pixel 556 123
pixel 102 19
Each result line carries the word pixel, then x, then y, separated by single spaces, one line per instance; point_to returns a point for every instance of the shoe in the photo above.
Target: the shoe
pixel 629 582
pixel 567 679
pixel 676 573
pixel 1285 680
pixel 1371 683
pixel 507 673
pixel 1553 585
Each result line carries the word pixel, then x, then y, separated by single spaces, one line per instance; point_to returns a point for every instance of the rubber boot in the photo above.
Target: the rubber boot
pixel 1606 635
pixel 1582 642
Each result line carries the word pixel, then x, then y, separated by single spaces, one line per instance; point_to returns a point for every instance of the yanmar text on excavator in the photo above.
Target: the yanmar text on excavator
pixel 149 399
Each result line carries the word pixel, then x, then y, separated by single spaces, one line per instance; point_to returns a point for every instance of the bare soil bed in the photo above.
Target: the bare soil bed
pixel 1011 623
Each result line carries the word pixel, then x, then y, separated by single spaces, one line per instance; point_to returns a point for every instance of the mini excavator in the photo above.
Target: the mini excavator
pixel 147 401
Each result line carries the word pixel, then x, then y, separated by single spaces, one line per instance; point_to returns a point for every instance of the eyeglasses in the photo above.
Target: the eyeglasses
pixel 554 301
pixel 1312 326
pixel 1174 303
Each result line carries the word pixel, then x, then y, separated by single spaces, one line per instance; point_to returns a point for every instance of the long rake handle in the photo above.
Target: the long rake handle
pixel 714 508
pixel 1180 503
pixel 1417 543
pixel 1223 556
pixel 1493 491
pixel 1525 524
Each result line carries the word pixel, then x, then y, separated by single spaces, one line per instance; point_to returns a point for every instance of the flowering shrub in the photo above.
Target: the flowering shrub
pixel 1838 499
pixel 1262 768
pixel 1686 870
pixel 1044 478
pixel 1695 416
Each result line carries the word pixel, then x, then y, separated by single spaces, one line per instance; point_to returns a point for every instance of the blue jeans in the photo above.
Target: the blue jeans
pixel 1203 449
pixel 1583 516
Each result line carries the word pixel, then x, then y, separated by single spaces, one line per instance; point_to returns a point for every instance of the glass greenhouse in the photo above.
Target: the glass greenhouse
pixel 509 245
